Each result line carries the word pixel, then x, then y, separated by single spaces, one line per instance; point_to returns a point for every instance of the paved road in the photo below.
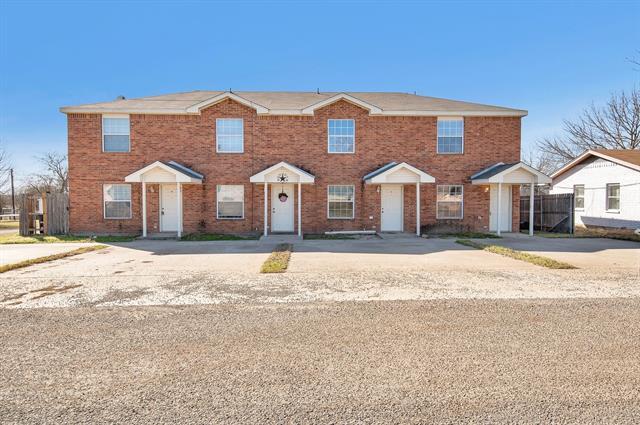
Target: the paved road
pixel 526 361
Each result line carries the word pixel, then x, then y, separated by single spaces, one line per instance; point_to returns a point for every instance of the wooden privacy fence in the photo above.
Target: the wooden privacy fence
pixel 47 215
pixel 551 213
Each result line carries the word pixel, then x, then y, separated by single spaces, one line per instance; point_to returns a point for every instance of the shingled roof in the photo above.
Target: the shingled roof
pixel 295 103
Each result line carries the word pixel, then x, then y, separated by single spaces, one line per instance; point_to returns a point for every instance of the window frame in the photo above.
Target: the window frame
pixel 218 134
pixel 438 135
pixel 461 203
pixel 218 202
pixel 104 201
pixel 116 116
pixel 353 202
pixel 607 197
pixel 575 207
pixel 353 150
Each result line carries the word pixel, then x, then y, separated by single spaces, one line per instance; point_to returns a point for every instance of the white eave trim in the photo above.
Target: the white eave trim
pixel 540 178
pixel 303 176
pixel 588 153
pixel 137 177
pixel 382 177
pixel 194 109
pixel 373 109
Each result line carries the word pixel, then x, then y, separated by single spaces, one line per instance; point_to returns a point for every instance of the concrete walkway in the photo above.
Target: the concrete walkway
pixel 20 252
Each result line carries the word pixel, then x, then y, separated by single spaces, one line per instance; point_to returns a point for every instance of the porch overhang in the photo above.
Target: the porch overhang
pixel 514 173
pixel 283 172
pixel 402 173
pixel 165 172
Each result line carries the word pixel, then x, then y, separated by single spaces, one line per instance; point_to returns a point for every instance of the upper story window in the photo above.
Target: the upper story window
pixel 342 136
pixel 450 135
pixel 115 133
pixel 613 197
pixel 449 201
pixel 229 135
pixel 578 196
pixel 117 201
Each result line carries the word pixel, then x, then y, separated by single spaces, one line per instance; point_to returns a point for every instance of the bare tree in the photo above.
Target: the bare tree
pixel 539 160
pixel 613 126
pixel 54 176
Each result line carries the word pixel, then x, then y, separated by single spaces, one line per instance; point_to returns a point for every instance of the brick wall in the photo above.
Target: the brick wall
pixel 301 141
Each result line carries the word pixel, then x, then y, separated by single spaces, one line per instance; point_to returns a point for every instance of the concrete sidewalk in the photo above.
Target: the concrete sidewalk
pixel 14 253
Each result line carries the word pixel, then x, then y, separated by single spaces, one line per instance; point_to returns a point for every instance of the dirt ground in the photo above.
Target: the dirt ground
pixel 483 361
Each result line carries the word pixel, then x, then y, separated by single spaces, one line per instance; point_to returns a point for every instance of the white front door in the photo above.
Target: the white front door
pixel 282 207
pixel 505 208
pixel 391 214
pixel 168 208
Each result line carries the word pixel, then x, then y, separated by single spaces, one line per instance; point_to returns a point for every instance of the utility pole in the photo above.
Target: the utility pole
pixel 13 193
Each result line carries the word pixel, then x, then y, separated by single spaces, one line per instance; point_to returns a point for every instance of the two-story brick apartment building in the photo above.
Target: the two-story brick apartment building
pixel 242 162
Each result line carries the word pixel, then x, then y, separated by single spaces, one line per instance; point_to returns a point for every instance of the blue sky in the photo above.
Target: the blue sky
pixel 551 58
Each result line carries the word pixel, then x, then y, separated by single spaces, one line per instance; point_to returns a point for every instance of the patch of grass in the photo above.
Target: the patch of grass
pixel 538 260
pixel 27 263
pixel 319 236
pixel 216 237
pixel 9 224
pixel 552 235
pixel 278 261
pixel 17 239
pixel 468 235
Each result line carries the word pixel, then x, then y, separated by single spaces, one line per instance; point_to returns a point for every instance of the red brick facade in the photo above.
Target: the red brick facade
pixel 298 140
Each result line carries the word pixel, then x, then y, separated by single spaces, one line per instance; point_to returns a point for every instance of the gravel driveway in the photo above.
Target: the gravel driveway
pixel 526 361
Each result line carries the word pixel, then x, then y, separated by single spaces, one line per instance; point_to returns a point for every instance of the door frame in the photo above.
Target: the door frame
pixel 509 189
pixel 161 192
pixel 292 188
pixel 401 206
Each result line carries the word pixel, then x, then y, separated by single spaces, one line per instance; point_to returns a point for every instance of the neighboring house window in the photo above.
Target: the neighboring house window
pixel 342 136
pixel 229 135
pixel 115 134
pixel 340 201
pixel 449 202
pixel 117 201
pixel 578 196
pixel 613 197
pixel 450 135
pixel 230 201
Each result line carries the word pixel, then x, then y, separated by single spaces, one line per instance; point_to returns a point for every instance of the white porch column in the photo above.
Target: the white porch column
pixel 418 208
pixel 266 207
pixel 299 209
pixel 531 201
pixel 179 210
pixel 144 208
pixel 499 208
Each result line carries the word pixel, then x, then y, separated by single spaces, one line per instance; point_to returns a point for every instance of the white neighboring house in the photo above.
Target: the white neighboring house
pixel 606 188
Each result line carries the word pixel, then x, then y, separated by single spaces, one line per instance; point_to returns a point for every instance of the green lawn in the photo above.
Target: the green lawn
pixel 9 224
pixel 216 237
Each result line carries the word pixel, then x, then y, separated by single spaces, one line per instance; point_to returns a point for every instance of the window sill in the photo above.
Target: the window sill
pixel 225 153
pixel 450 153
pixel 229 219
pixel 341 153
pixel 340 218
pixel 612 211
pixel 452 218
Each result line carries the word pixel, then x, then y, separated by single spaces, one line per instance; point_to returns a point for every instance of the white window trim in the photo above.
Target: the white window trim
pixel 218 203
pixel 128 134
pixel 353 202
pixel 104 201
pixel 461 203
pixel 329 138
pixel 242 134
pixel 438 145
pixel 606 198
pixel 575 197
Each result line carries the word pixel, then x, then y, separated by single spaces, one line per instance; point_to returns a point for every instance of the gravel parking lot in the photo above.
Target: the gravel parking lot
pixel 526 361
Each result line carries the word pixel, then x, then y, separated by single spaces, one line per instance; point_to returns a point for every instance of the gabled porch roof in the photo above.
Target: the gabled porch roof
pixel 165 172
pixel 514 173
pixel 402 173
pixel 274 174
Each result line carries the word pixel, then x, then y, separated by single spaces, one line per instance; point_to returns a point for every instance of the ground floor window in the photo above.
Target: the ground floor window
pixel 117 201
pixel 449 201
pixel 578 196
pixel 340 201
pixel 613 197
pixel 230 201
